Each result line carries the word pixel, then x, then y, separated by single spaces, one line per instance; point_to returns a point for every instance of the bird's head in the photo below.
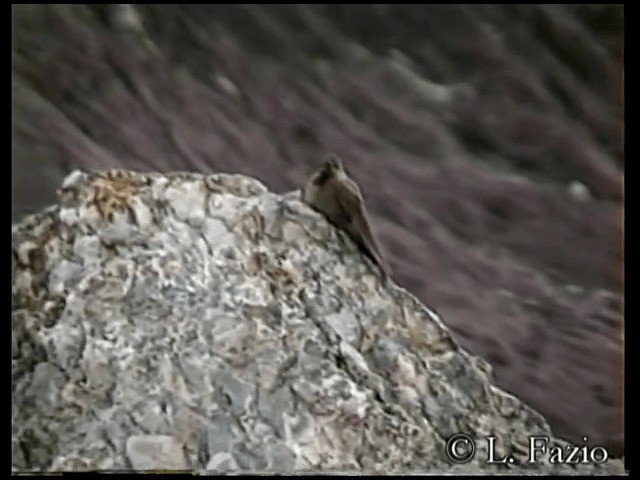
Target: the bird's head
pixel 332 162
pixel 331 168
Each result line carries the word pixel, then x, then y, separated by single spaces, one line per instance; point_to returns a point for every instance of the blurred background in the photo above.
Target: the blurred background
pixel 487 141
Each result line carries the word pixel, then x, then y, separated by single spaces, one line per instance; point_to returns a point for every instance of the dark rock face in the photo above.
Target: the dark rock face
pixel 487 142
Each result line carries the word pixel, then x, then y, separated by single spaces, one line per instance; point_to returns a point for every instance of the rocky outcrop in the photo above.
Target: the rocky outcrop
pixel 200 322
pixel 487 139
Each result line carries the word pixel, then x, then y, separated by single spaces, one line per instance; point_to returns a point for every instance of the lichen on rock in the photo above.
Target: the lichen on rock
pixel 189 321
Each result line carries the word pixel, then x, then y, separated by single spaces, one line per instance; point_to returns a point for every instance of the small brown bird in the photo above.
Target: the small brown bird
pixel 333 193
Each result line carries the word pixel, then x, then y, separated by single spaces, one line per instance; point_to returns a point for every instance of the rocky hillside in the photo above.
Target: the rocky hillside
pixel 192 322
pixel 487 141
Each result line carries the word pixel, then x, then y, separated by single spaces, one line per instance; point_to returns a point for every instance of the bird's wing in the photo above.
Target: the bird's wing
pixel 352 205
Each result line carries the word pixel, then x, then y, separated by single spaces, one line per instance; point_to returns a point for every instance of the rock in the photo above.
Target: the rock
pixel 479 117
pixel 155 452
pixel 46 385
pixel 579 191
pixel 171 353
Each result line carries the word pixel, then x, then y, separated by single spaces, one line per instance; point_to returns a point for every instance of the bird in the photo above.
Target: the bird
pixel 331 192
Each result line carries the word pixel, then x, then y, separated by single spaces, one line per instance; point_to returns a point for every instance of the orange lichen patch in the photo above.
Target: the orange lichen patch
pixel 112 192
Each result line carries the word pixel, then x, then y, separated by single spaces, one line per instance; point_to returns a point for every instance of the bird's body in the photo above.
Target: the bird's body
pixel 333 193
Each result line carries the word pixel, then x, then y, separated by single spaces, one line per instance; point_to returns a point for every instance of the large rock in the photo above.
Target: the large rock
pixel 466 126
pixel 189 321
